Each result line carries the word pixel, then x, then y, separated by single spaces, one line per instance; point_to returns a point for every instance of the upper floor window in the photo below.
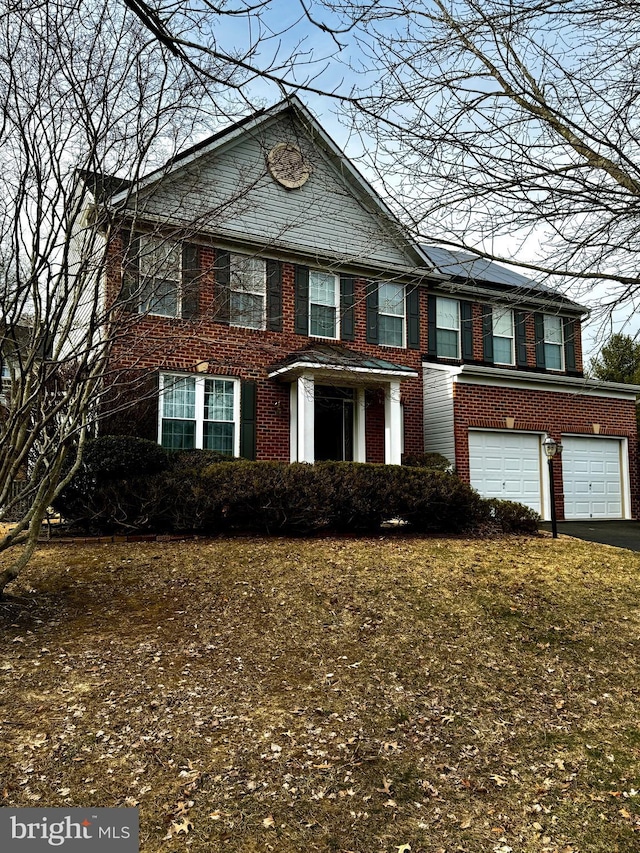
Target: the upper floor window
pixel 447 327
pixel 160 277
pixel 553 342
pixel 199 412
pixel 247 291
pixel 391 314
pixel 324 302
pixel 503 336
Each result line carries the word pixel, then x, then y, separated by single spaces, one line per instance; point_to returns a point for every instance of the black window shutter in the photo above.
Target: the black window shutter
pixel 413 317
pixel 145 414
pixel 432 344
pixel 248 418
pixel 347 311
pixel 223 281
pixel 520 320
pixel 130 270
pixel 569 334
pixel 274 296
pixel 301 300
pixel 190 280
pixel 372 312
pixel 487 333
pixel 539 326
pixel 466 331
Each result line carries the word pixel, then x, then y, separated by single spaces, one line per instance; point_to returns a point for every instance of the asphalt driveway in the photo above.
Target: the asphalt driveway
pixel 621 534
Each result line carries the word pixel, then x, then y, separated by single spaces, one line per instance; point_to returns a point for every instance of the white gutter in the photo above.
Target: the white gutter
pixel 372 373
pixel 474 374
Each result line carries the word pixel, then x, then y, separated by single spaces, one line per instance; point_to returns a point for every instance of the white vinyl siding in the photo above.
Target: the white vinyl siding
pixel 324 300
pixel 592 477
pixel 438 413
pixel 447 327
pixel 553 343
pixel 503 339
pixel 391 315
pixel 327 215
pixel 199 412
pixel 247 291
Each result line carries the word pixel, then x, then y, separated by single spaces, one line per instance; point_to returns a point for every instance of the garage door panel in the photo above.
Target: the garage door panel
pixel 592 477
pixel 506 466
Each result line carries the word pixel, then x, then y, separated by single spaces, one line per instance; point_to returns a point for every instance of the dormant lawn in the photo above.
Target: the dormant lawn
pixel 397 694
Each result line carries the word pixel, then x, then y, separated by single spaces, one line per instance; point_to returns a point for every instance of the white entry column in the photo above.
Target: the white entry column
pixel 303 419
pixel 392 425
pixel 359 427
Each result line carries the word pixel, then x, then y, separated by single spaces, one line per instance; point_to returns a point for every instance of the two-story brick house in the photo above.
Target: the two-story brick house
pixel 277 310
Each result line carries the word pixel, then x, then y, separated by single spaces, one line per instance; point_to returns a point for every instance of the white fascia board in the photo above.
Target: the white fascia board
pixel 471 374
pixel 367 372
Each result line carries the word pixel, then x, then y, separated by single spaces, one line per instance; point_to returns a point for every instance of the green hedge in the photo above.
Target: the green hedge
pixel 202 492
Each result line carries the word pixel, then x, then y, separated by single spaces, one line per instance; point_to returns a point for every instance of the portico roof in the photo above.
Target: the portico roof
pixel 341 361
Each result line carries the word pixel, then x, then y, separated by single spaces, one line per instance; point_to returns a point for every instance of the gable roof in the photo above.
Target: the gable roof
pixel 200 176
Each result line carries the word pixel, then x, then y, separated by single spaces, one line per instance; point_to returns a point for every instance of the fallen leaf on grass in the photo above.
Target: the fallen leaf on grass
pixel 268 822
pixel 404 848
pixel 499 780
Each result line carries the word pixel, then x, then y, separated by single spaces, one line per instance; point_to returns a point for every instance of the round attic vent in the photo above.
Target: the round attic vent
pixel 287 165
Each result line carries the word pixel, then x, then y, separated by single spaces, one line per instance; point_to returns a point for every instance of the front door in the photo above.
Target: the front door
pixel 333 423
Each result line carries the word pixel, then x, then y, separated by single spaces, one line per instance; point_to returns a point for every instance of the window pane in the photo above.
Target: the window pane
pixel 391 299
pixel 390 330
pixel 503 324
pixel 447 314
pixel 447 343
pixel 218 400
pixel 502 350
pixel 178 435
pixel 322 321
pixel 552 329
pixel 553 356
pixel 179 397
pixel 247 274
pixel 246 309
pixel 323 288
pixel 218 437
pixel 159 296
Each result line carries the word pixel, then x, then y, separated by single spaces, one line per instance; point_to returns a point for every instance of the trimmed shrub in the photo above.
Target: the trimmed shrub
pixel 112 488
pixel 513 517
pixel 433 461
pixel 201 492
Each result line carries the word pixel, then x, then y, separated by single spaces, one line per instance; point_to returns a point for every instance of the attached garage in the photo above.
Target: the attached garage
pixel 593 477
pixel 507 465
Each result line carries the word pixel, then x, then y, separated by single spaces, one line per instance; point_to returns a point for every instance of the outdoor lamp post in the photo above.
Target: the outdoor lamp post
pixel 551 448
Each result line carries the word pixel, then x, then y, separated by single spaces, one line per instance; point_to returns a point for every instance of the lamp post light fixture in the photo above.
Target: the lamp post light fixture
pixel 552 448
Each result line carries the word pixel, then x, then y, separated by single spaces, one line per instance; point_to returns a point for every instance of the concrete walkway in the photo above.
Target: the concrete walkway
pixel 621 534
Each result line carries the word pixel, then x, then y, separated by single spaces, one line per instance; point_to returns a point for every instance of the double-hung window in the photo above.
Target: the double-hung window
pixel 447 327
pixel 503 336
pixel 391 314
pixel 200 412
pixel 247 291
pixel 324 302
pixel 553 342
pixel 160 277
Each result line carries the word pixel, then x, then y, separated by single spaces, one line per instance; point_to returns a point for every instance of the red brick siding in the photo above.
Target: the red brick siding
pixel 160 343
pixel 544 411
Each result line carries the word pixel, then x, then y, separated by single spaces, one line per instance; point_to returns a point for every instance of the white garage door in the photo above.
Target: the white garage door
pixel 592 477
pixel 506 465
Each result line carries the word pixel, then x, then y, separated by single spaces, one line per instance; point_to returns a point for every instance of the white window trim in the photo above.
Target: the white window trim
pixel 263 293
pixel 457 328
pixel 336 306
pixel 553 343
pixel 381 313
pixel 511 337
pixel 199 405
